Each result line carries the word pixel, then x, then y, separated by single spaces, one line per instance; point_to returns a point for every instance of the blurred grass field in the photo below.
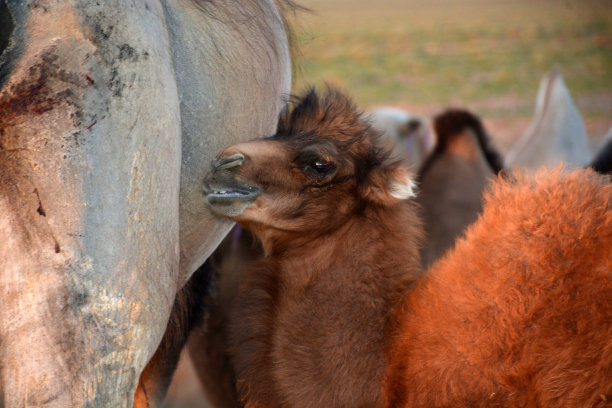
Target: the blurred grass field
pixel 487 55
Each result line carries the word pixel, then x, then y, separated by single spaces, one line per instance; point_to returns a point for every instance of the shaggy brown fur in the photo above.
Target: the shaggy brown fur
pixel 519 314
pixel 311 316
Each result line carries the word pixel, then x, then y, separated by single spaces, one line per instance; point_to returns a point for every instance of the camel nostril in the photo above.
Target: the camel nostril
pixel 234 160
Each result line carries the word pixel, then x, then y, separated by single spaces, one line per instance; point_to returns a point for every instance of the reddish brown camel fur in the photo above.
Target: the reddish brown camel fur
pixel 337 312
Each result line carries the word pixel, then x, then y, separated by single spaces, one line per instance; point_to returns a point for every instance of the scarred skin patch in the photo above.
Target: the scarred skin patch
pixel 34 95
pixel 27 98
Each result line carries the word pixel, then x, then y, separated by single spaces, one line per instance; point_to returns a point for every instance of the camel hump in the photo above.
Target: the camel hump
pixel 557 133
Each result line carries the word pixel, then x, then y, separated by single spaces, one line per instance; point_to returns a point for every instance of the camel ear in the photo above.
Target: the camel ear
pixel 389 186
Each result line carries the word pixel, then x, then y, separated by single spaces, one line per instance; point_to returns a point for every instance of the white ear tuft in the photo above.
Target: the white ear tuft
pixel 403 187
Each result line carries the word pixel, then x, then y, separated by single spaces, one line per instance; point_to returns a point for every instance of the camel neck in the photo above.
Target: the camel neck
pixel 380 239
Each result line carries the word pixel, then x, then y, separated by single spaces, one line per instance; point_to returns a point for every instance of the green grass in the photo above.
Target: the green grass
pixel 440 52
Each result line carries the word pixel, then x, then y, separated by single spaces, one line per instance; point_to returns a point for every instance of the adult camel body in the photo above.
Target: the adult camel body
pixel 110 113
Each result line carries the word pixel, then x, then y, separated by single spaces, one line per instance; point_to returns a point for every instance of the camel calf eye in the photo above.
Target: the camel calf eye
pixel 316 164
pixel 321 166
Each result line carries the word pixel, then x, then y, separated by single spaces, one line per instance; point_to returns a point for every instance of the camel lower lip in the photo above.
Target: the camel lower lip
pixel 227 196
pixel 231 203
pixel 231 195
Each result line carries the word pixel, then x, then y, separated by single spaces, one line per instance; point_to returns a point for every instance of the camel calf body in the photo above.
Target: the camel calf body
pixel 326 199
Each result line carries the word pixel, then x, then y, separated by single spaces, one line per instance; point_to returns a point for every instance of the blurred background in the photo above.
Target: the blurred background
pixel 484 55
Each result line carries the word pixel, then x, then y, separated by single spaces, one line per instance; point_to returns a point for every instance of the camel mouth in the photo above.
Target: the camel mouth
pixel 230 200
pixel 224 194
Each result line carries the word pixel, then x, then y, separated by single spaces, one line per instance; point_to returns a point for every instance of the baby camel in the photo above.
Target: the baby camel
pixel 337 313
